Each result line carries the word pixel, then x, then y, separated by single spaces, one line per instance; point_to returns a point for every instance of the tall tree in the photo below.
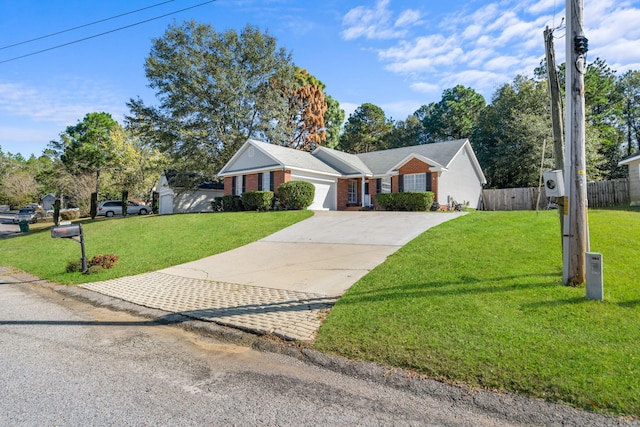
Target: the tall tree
pixel 88 146
pixel 365 130
pixel 629 90
pixel 215 90
pixel 307 112
pixel 333 119
pixel 405 133
pixel 510 133
pixel 454 116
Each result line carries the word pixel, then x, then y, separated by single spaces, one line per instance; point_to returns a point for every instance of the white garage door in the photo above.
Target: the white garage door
pixel 325 192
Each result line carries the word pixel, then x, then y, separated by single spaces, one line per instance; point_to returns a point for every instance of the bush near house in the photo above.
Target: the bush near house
pixel 296 195
pixel 227 204
pixel 257 200
pixel 405 201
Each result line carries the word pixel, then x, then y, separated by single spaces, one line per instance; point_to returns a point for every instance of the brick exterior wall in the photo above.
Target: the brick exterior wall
pixel 343 194
pixel 228 185
pixel 417 166
pixel 414 166
pixel 252 182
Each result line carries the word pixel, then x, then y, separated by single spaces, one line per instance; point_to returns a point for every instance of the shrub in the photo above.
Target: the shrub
pixel 257 200
pixel 74 266
pixel 227 204
pixel 296 195
pixel 104 261
pixel 69 215
pixel 94 269
pixel 415 202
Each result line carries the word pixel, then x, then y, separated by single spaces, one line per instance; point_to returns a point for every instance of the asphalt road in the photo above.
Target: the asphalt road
pixel 7 227
pixel 67 363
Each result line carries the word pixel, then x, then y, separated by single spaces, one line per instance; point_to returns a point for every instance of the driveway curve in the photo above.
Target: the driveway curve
pixel 324 254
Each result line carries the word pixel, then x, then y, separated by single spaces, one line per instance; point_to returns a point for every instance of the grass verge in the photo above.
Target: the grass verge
pixel 479 300
pixel 143 243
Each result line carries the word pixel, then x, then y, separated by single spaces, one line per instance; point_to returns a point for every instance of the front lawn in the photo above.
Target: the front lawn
pixel 143 243
pixel 480 300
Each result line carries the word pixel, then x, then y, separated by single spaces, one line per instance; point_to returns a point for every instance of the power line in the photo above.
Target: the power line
pixel 104 33
pixel 84 25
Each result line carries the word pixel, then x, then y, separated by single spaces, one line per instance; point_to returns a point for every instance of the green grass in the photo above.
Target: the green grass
pixel 480 300
pixel 143 243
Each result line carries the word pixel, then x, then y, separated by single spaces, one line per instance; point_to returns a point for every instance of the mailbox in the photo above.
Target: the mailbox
pixel 72 230
pixel 553 183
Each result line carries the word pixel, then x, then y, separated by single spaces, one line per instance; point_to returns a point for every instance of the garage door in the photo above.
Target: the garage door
pixel 325 192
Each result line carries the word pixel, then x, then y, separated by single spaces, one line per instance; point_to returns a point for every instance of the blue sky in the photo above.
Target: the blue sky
pixel 396 54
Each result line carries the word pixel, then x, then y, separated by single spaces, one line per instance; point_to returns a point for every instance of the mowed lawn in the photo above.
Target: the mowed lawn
pixel 480 300
pixel 142 243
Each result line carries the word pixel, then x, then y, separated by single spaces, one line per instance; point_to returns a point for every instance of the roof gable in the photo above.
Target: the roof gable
pixel 631 159
pixel 345 163
pixel 440 153
pixel 256 156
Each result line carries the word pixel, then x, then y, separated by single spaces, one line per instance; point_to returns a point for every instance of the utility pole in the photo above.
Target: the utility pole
pixel 575 210
pixel 556 115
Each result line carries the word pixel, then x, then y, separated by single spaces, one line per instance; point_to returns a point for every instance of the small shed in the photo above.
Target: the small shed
pixel 633 162
pixel 173 198
pixel 48 201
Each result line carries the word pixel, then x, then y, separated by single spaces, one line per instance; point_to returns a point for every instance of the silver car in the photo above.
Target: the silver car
pixel 26 214
pixel 110 208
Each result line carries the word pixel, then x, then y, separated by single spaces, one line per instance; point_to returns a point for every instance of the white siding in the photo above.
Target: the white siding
pixel 460 181
pixel 634 183
pixel 325 197
pixel 252 158
pixel 195 201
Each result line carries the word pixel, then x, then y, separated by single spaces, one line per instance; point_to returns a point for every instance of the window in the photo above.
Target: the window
pixel 353 191
pixel 239 187
pixel 385 184
pixel 266 181
pixel 415 183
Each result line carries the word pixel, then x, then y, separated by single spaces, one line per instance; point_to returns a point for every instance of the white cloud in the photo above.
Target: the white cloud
pixel 377 22
pixel 408 18
pixel 546 6
pixel 424 87
pixel 62 107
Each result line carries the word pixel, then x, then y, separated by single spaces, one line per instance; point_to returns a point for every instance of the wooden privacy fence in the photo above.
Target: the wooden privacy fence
pixel 599 194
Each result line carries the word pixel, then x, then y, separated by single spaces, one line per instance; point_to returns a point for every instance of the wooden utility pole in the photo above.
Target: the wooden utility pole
pixel 556 114
pixel 575 210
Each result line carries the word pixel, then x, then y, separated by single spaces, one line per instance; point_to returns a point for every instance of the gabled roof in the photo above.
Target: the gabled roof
pixel 331 162
pixel 345 163
pixel 282 157
pixel 438 154
pixel 627 160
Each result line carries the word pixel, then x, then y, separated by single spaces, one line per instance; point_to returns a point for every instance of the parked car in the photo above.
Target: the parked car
pixel 26 214
pixel 110 208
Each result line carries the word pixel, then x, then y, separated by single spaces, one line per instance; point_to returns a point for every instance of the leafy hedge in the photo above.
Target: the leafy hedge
pixel 257 200
pixel 405 201
pixel 296 195
pixel 227 204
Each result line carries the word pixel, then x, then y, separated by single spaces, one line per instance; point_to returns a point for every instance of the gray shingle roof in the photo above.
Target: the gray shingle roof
pixel 381 162
pixel 295 159
pixel 334 162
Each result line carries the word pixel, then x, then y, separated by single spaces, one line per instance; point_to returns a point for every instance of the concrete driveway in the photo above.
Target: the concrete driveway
pixel 324 254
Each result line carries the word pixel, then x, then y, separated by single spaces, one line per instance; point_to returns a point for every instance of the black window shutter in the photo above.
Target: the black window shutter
pixel 271 178
pixel 244 183
pixel 379 185
pixel 428 181
pixel 233 185
pixel 260 182
pixel 400 183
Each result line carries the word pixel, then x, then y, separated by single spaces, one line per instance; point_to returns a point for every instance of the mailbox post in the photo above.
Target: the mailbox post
pixel 69 231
